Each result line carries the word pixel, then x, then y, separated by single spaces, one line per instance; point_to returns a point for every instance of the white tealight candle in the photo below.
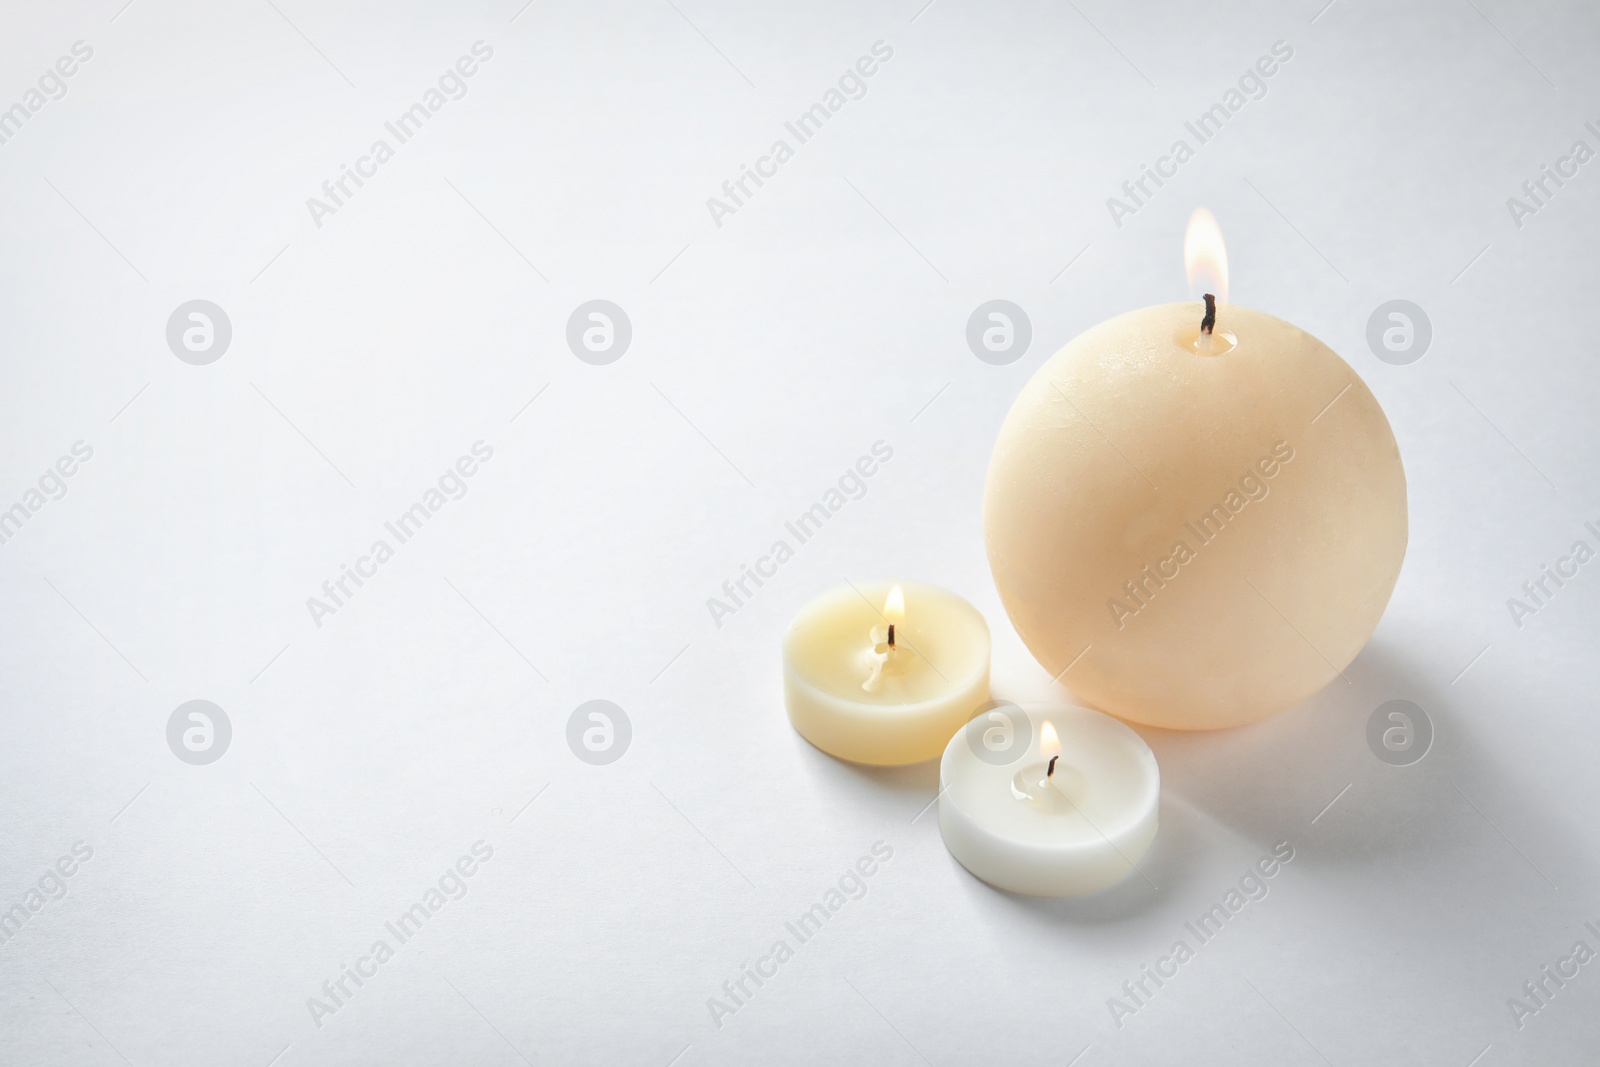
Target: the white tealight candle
pixel 883 674
pixel 1050 801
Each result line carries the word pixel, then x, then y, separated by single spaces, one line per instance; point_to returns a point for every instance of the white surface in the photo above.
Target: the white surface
pixel 826 314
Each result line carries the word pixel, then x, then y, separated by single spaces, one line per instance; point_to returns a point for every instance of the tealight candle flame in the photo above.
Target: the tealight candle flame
pixel 884 652
pixel 1205 257
pixel 1049 747
pixel 894 606
pixel 894 610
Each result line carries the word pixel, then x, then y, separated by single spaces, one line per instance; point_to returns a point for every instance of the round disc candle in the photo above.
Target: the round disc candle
pixel 884 674
pixel 1048 801
pixel 1195 515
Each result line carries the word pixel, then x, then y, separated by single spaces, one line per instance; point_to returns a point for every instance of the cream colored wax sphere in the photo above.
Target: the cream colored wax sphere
pixel 1220 530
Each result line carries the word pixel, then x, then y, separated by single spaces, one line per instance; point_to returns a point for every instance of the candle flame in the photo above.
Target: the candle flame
pixel 894 606
pixel 1205 257
pixel 1049 743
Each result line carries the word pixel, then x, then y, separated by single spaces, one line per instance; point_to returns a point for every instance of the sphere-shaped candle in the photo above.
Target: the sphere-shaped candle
pixel 1195 517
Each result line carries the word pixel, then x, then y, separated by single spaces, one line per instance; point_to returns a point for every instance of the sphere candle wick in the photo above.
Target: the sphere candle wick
pixel 1211 314
pixel 1049 772
pixel 891 635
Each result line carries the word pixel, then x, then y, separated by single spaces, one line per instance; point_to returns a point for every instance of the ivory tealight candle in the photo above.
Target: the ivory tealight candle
pixel 1195 516
pixel 1048 801
pixel 884 674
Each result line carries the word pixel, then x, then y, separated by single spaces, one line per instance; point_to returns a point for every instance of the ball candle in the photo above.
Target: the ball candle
pixel 885 684
pixel 1195 518
pixel 1048 801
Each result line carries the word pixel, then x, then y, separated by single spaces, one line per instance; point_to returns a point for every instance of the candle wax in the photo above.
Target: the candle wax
pixel 853 696
pixel 1199 532
pixel 1078 831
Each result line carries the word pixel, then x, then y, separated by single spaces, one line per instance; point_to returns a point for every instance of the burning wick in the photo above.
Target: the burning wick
pixel 1047 793
pixel 1211 314
pixel 885 658
pixel 894 612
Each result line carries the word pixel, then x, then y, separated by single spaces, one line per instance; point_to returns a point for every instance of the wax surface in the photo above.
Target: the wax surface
pixel 939 678
pixel 1082 846
pixel 1204 539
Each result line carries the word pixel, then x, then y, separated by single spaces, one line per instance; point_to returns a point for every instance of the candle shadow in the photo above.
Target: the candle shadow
pixel 919 779
pixel 1309 776
pixel 1457 816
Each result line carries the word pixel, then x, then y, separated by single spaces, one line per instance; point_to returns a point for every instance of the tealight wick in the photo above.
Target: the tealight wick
pixel 1211 314
pixel 1050 770
pixel 891 635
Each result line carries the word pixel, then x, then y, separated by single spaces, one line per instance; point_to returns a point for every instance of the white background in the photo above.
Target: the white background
pixel 769 353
